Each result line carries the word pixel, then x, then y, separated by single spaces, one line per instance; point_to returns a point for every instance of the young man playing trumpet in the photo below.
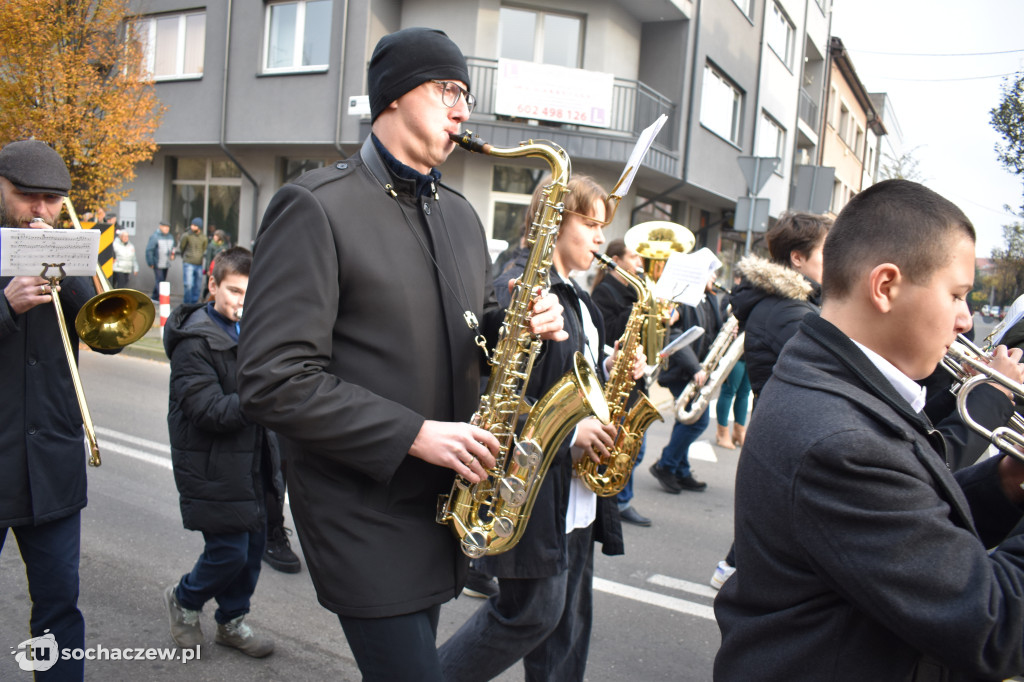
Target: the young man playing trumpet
pixel 860 555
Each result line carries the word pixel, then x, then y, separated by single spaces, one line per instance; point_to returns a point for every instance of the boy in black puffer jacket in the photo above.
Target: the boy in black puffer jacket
pixel 223 463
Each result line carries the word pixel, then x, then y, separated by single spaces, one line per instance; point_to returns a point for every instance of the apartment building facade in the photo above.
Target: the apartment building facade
pixel 257 93
pixel 851 137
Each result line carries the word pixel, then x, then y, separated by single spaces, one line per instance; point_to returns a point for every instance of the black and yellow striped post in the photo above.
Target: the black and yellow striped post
pixel 106 259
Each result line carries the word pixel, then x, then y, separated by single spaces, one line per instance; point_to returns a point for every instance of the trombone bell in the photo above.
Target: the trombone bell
pixel 115 318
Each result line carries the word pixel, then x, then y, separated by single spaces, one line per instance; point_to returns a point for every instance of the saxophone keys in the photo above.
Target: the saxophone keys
pixel 528 455
pixel 512 492
pixel 503 527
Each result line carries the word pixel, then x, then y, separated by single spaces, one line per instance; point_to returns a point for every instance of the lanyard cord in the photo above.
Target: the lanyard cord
pixel 467 314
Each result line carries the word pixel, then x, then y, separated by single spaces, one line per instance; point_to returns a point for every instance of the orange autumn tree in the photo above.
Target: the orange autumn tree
pixel 72 76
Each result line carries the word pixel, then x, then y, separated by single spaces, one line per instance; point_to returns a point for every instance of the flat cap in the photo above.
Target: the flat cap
pixel 35 168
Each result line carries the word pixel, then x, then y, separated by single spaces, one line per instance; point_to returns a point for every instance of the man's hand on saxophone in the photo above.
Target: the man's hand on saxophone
pixel 466 449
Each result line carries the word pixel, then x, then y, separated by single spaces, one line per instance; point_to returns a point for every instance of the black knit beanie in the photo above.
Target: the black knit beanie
pixel 405 59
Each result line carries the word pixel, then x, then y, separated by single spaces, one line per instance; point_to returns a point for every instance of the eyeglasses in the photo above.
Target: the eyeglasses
pixel 452 91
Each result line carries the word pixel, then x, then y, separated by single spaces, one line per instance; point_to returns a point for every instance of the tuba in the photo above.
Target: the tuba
pixel 725 351
pixel 654 241
pixel 610 476
pixel 490 517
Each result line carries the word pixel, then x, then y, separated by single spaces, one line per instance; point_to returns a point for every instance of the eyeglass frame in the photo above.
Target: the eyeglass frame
pixel 465 94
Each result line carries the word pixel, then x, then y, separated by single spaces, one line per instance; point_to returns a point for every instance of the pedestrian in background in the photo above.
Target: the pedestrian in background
pixel 160 251
pixel 223 464
pixel 193 248
pixel 125 262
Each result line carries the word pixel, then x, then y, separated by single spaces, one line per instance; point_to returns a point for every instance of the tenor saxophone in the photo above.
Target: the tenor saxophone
pixel 490 517
pixel 610 476
pixel 725 352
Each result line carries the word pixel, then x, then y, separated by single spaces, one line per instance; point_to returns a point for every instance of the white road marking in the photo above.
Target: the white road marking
pixel 654 598
pixel 683 585
pixel 600 584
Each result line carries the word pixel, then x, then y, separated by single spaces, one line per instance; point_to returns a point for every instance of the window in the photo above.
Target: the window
pixel 173 44
pixel 543 37
pixel 205 188
pixel 858 141
pixel 746 6
pixel 771 141
pixel 512 188
pixel 844 123
pixel 780 31
pixel 297 36
pixel 720 105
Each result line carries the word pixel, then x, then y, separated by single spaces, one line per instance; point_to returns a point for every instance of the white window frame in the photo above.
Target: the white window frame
pixel 146 28
pixel 715 83
pixel 298 43
pixel 538 36
pixel 770 128
pixel 746 6
pixel 780 29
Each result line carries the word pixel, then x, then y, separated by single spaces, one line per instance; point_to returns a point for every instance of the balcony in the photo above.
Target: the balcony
pixel 634 107
pixel 808 110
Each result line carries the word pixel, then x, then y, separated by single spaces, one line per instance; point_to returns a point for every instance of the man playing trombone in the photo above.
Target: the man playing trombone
pixel 42 452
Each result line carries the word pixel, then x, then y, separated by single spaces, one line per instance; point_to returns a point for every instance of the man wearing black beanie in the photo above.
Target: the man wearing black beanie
pixel 370 375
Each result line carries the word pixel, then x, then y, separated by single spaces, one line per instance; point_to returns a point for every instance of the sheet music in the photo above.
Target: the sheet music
pixel 686 276
pixel 24 252
pixel 643 143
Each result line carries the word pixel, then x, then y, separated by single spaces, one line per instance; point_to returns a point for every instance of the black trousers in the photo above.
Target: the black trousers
pixel 396 649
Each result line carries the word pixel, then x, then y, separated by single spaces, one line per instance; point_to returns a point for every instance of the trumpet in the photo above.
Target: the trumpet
pixel 963 352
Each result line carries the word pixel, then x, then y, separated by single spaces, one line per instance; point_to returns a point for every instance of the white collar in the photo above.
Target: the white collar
pixel 910 390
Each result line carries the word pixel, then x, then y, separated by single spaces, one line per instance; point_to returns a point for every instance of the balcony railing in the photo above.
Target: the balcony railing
pixel 634 106
pixel 808 110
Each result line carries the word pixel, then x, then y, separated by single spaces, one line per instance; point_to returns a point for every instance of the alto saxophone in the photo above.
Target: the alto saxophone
pixel 610 476
pixel 725 351
pixel 490 517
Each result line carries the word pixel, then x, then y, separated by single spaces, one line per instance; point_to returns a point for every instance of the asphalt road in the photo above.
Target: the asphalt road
pixel 653 607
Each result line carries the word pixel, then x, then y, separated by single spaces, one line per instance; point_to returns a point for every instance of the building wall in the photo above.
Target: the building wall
pixel 837 152
pixel 305 115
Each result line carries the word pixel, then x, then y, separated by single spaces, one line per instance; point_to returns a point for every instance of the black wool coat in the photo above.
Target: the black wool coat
pixel 221 458
pixel 354 334
pixel 859 555
pixel 42 451
pixel 769 303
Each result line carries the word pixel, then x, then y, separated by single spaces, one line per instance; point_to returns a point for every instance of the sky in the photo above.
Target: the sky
pixel 942 103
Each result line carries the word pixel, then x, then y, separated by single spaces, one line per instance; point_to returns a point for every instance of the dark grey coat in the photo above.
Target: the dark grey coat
pixel 350 340
pixel 859 555
pixel 42 450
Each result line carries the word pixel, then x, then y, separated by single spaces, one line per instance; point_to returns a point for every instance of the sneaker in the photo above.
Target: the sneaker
pixel 688 482
pixel 631 515
pixel 235 633
pixel 279 554
pixel 185 629
pixel 479 585
pixel 666 479
pixel 722 573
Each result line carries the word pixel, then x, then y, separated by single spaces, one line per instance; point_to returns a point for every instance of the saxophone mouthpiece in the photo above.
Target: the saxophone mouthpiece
pixel 469 142
pixel 605 260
